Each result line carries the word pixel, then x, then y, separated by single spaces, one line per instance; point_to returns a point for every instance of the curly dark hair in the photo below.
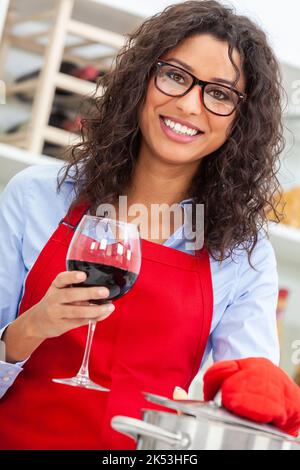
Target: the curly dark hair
pixel 237 183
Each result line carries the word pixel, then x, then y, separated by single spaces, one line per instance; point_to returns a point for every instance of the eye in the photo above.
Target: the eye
pixel 175 76
pixel 220 95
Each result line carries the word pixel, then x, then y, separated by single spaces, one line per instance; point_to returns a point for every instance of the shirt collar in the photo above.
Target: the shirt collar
pixel 186 201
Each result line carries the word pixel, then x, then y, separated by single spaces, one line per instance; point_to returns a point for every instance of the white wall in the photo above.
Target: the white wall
pixel 3 10
pixel 279 19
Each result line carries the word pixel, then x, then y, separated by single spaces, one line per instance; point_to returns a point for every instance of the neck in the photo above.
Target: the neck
pixel 158 182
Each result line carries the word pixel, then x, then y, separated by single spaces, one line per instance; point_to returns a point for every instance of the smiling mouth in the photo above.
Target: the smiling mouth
pixel 163 118
pixel 180 137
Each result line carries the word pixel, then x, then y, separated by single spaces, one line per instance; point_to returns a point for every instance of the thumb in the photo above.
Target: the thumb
pixel 215 376
pixel 180 394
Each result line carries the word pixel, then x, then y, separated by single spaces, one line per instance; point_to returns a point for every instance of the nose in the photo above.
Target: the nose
pixel 192 102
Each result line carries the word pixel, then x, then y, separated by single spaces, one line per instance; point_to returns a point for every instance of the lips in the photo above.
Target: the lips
pixel 183 123
pixel 178 137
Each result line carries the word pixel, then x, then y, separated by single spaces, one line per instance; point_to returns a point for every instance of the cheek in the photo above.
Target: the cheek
pixel 220 128
pixel 148 115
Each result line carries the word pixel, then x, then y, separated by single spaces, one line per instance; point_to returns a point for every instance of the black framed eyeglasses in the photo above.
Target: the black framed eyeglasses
pixel 175 81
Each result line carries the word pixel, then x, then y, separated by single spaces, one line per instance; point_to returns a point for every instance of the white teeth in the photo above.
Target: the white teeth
pixel 179 129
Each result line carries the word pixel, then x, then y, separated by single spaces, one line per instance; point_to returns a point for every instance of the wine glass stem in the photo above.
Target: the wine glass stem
pixel 84 369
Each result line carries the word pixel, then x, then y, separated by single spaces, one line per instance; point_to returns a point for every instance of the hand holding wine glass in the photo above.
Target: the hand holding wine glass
pixel 58 312
pixel 109 253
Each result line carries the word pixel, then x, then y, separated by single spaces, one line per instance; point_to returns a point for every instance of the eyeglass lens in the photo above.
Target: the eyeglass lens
pixel 217 98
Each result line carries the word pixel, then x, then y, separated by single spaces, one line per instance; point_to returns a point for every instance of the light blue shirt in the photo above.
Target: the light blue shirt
pixel 245 300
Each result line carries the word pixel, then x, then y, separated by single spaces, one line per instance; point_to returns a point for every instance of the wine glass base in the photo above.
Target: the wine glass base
pixel 82 383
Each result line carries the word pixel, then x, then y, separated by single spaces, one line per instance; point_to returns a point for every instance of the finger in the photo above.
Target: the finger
pixel 76 323
pixel 67 278
pixel 90 312
pixel 84 303
pixel 81 294
pixel 180 394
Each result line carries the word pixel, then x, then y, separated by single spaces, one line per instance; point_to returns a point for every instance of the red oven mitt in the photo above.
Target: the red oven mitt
pixel 258 390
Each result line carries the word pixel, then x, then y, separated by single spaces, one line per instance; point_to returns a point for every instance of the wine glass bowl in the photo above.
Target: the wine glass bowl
pixel 109 252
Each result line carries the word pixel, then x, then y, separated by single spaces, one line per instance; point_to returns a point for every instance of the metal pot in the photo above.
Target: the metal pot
pixel 199 425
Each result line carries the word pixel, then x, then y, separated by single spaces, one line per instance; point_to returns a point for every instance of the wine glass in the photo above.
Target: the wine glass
pixel 109 252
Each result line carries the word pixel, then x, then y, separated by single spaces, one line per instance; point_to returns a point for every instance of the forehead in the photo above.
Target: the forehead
pixel 208 57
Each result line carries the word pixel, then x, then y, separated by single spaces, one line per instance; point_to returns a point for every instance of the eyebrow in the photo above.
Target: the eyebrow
pixel 190 69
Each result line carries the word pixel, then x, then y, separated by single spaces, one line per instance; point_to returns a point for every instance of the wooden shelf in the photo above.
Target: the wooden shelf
pixel 286 242
pixel 63 81
pixel 52 134
pixel 76 85
pixel 15 138
pixel 64 24
pixel 22 87
pixel 95 34
pixel 57 136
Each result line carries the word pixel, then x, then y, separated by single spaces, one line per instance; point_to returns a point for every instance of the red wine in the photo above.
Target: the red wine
pixel 117 280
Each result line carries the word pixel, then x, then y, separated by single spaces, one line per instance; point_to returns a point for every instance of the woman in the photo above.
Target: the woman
pixel 198 69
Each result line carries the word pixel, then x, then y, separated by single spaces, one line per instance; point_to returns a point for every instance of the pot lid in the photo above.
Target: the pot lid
pixel 214 412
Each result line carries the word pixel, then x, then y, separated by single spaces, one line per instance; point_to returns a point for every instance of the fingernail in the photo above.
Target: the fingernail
pixel 80 276
pixel 110 308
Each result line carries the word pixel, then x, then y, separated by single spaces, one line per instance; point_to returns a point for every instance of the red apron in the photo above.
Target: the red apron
pixel 152 342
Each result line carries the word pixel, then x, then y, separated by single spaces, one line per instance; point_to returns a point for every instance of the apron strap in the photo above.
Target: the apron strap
pixel 74 215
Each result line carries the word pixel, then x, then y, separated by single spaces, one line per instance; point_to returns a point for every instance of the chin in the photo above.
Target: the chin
pixel 171 159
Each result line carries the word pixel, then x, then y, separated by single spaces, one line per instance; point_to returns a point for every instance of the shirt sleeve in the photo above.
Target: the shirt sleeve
pixel 248 326
pixel 12 269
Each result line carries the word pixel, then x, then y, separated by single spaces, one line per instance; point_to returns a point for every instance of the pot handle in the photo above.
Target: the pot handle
pixel 134 428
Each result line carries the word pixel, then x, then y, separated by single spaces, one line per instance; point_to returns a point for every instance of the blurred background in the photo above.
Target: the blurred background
pixel 51 54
